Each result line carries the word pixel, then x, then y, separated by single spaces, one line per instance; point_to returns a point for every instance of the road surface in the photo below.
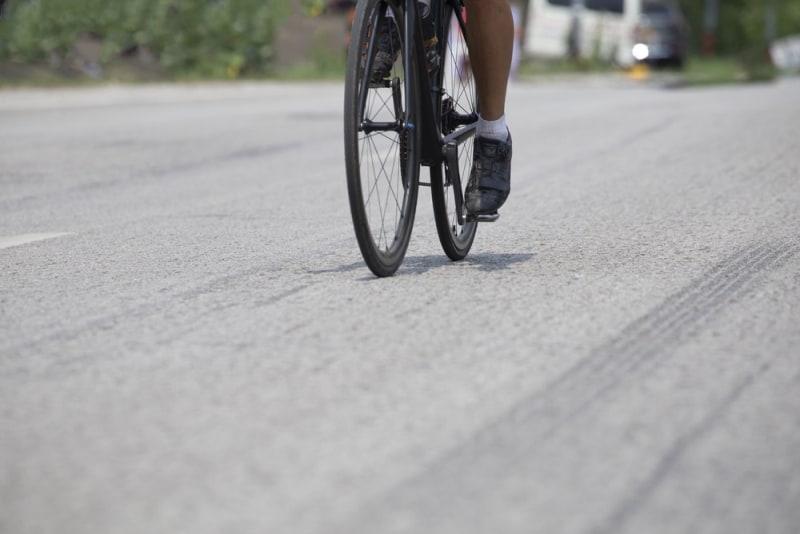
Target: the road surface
pixel 190 341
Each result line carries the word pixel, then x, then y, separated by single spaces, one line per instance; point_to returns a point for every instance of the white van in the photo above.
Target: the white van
pixel 587 28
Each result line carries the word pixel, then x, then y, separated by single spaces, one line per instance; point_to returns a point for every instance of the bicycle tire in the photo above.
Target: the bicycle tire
pixel 382 145
pixel 458 109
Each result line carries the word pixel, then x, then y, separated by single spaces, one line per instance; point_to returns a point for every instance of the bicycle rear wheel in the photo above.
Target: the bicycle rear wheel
pixel 459 116
pixel 381 141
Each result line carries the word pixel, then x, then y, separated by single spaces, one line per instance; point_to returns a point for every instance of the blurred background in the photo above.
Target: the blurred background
pixel 132 40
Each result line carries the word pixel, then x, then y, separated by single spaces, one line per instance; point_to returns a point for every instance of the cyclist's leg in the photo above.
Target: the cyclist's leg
pixel 490 35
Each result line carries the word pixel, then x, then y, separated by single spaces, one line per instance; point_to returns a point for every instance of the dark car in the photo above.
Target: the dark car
pixel 662 35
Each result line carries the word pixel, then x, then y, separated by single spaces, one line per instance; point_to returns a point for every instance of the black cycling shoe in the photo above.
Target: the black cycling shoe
pixel 389 46
pixel 490 180
pixel 388 50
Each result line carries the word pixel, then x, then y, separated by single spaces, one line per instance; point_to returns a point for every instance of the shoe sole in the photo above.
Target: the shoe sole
pixel 482 217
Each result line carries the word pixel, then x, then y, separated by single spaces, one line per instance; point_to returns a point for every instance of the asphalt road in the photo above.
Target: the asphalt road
pixel 190 342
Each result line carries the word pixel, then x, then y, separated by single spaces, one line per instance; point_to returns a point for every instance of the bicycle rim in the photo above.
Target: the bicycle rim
pixel 459 109
pixel 381 143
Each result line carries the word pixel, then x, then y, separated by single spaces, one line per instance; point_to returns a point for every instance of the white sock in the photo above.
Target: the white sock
pixel 495 130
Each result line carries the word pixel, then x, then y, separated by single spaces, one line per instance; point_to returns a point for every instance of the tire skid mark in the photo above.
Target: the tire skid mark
pixel 445 489
pixel 646 489
pixel 666 326
pixel 658 332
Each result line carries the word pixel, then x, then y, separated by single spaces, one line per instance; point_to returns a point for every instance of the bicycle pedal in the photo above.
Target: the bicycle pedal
pixel 380 84
pixel 483 217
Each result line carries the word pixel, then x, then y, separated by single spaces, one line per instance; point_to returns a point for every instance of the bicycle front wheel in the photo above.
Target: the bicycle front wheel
pixel 459 116
pixel 381 141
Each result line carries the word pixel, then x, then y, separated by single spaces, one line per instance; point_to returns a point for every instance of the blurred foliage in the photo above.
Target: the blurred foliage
pixel 220 38
pixel 741 25
pixel 313 8
pixel 741 32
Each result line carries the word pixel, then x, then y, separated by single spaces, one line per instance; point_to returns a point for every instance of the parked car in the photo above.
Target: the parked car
pixel 662 35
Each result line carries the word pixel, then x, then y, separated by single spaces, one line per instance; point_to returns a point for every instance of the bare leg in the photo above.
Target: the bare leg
pixel 490 37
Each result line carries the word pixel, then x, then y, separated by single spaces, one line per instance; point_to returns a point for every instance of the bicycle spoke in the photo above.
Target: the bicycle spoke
pixel 382 167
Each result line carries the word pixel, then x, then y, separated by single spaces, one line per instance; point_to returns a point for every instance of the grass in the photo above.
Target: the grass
pixel 18 76
pixel 713 71
pixel 719 70
pixel 698 71
pixel 327 64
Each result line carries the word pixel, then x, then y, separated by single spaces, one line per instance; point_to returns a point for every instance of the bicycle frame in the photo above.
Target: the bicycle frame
pixel 435 149
pixel 433 145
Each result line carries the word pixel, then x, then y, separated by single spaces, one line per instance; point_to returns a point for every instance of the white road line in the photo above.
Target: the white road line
pixel 16 240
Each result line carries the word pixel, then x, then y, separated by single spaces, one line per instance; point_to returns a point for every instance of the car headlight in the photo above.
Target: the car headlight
pixel 640 51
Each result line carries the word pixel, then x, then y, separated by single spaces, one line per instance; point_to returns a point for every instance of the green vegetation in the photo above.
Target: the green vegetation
pixel 321 61
pixel 741 25
pixel 713 71
pixel 198 38
pixel 741 35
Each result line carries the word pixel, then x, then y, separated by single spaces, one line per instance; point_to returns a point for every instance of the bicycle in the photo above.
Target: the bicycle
pixel 408 119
